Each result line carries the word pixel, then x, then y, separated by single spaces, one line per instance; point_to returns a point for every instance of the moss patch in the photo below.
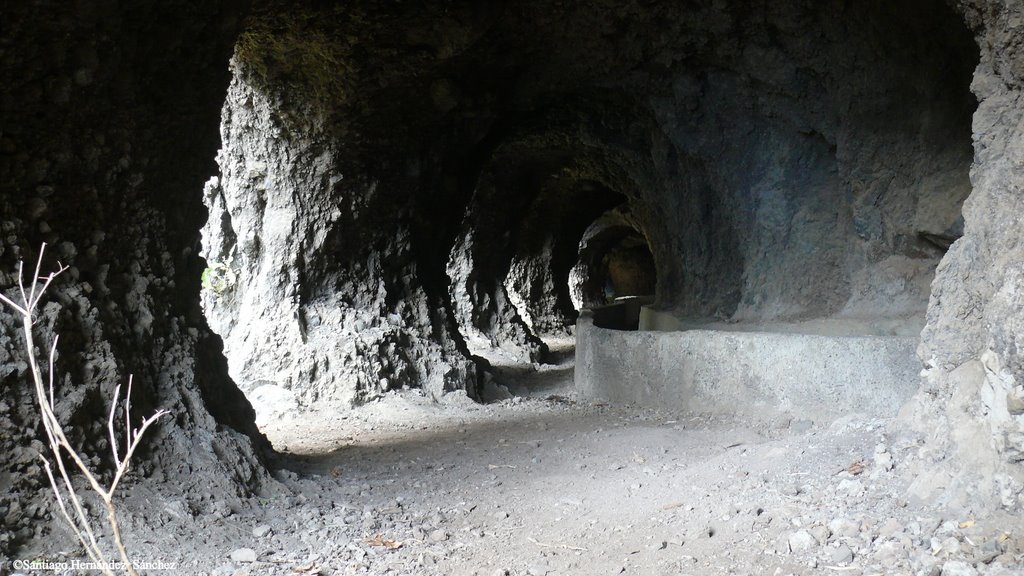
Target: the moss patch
pixel 292 53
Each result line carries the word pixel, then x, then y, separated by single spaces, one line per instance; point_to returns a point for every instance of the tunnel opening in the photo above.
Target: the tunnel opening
pixel 615 273
pixel 547 250
pixel 409 195
pixel 629 270
pixel 770 187
pixel 628 277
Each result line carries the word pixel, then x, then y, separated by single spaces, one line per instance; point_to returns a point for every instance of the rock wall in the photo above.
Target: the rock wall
pixel 314 280
pixel 590 280
pixel 385 167
pixel 484 308
pixel 969 414
pixel 787 160
pixel 548 247
pixel 107 129
pixel 828 158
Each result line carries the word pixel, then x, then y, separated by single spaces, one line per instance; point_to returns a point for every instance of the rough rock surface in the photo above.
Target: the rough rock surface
pixel 320 297
pixel 970 413
pixel 783 161
pixel 107 125
pixel 403 186
pixel 591 281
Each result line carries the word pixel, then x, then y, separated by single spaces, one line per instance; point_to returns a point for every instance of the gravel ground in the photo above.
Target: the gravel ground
pixel 540 484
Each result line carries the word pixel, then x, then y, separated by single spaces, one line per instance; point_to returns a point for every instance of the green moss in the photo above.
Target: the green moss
pixel 289 50
pixel 218 278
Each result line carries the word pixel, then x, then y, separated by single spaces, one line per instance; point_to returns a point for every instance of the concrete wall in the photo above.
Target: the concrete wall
pixel 658 320
pixel 761 375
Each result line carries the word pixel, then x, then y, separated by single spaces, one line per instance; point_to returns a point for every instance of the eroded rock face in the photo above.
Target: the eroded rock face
pixel 107 127
pixel 548 248
pixel 394 179
pixel 592 282
pixel 312 238
pixel 394 176
pixel 811 213
pixel 969 408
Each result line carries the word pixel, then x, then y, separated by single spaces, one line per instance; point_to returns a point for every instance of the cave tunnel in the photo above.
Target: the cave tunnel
pixel 615 273
pixel 628 268
pixel 396 209
pixel 353 247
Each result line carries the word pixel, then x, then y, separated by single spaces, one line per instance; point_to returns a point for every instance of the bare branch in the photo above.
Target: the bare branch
pixel 21 283
pixel 127 412
pixel 39 266
pixel 64 509
pixel 47 280
pixel 58 441
pixel 21 311
pixel 110 425
pixel 52 371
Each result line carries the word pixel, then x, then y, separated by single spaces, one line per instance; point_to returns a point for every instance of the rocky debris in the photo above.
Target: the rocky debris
pixel 844 527
pixel 957 568
pixel 800 541
pixel 841 555
pixel 883 459
pixel 548 487
pixel 786 160
pixel 243 555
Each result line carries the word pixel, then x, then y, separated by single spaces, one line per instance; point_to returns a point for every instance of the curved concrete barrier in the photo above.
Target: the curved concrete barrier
pixel 757 374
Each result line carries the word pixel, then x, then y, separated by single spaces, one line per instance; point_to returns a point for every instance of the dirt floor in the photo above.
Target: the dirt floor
pixel 540 484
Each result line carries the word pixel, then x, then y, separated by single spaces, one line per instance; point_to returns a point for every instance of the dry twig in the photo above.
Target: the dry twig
pixel 68 500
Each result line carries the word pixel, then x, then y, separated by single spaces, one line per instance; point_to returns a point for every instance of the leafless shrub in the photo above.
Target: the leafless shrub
pixel 68 500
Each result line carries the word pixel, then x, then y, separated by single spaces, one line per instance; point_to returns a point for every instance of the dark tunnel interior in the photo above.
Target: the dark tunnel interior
pixel 280 216
pixel 416 185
